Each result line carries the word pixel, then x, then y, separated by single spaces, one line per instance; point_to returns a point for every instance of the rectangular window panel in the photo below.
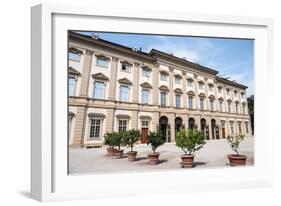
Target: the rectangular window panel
pixel 145 96
pixel 163 77
pixel 99 90
pixel 212 105
pixel 201 85
pixel 126 67
pixel 124 93
pixel 229 107
pixel 163 99
pixel 189 83
pixel 177 80
pixel 74 56
pixel 178 101
pixel 236 108
pixel 102 62
pixel 202 104
pixel 190 102
pixel 122 125
pixel 146 72
pixel 71 86
pixel 220 104
pixel 95 128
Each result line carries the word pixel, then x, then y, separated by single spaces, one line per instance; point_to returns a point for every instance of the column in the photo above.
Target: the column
pixel 171 87
pixel 134 119
pixel 208 124
pixel 227 127
pixel 79 127
pixel 113 79
pixel 206 93
pixel 86 71
pixel 184 96
pixel 171 121
pixel 136 68
pixel 196 97
pixel 110 117
pixel 155 84
pixel 155 121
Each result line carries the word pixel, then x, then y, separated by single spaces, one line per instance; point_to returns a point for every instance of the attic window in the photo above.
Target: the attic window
pixel 74 55
pixel 126 67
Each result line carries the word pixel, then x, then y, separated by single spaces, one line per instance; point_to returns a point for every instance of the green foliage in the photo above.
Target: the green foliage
pixel 131 137
pixel 109 139
pixel 190 140
pixel 234 141
pixel 155 139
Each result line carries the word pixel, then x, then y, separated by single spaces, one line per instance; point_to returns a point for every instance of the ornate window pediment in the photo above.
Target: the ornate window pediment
pixel 100 76
pixel 96 115
pixel 236 102
pixel 190 93
pixel 229 100
pixel 164 88
pixel 122 116
pixel 178 91
pixel 145 117
pixel 202 95
pixel 146 85
pixel 74 50
pixel 164 72
pixel 211 97
pixel 125 81
pixel 100 56
pixel 177 76
pixel 220 99
pixel 73 71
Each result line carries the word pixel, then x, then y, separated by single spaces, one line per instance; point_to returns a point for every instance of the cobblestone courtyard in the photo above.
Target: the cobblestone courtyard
pixel 214 154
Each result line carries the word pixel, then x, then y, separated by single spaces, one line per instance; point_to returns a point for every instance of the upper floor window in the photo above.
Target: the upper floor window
pixel 124 93
pixel 229 107
pixel 189 83
pixel 178 101
pixel 235 93
pixel 163 96
pixel 219 89
pixel 163 76
pixel 220 106
pixel 236 108
pixel 102 61
pixel 126 67
pixel 242 95
pixel 243 107
pixel 146 72
pixel 211 87
pixel 145 96
pixel 190 102
pixel 201 85
pixel 71 86
pixel 74 56
pixel 99 90
pixel 177 80
pixel 228 91
pixel 95 128
pixel 211 104
pixel 122 125
pixel 247 127
pixel 201 103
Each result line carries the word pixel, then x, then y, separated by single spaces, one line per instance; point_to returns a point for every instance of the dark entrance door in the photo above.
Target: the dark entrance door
pixel 144 133
pixel 203 126
pixel 213 125
pixel 163 124
pixel 191 123
pixel 178 124
pixel 223 129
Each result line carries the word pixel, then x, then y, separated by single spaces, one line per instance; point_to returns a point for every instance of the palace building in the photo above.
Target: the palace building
pixel 115 88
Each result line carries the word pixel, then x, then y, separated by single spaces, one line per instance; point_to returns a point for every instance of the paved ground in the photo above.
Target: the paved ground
pixel 214 154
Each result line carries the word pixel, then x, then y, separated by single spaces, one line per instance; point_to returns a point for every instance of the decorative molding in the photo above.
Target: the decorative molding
pixel 212 97
pixel 205 78
pixel 75 50
pixel 146 85
pixel 96 115
pixel 126 62
pixel 190 93
pixel 125 81
pixel 171 69
pixel 123 116
pixel 236 102
pixel 115 59
pixel 164 72
pixel 73 71
pixel 164 88
pixel 145 117
pixel 147 68
pixel 220 99
pixel 202 95
pixel 71 115
pixel 177 75
pixel 178 91
pixel 101 56
pixel 137 64
pixel 100 76
pixel 229 100
pixel 183 73
pixel 89 52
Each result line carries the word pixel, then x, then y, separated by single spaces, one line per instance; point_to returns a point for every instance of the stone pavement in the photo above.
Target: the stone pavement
pixel 214 154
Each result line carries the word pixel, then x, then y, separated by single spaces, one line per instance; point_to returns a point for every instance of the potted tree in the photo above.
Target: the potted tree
pixel 130 138
pixel 189 141
pixel 236 159
pixel 118 141
pixel 109 140
pixel 155 139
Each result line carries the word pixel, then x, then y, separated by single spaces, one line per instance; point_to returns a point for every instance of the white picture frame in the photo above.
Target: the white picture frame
pixel 49 179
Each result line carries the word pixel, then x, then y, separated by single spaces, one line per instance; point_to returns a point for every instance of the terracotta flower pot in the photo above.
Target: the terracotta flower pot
pixel 110 152
pixel 187 161
pixel 153 158
pixel 237 160
pixel 118 153
pixel 132 156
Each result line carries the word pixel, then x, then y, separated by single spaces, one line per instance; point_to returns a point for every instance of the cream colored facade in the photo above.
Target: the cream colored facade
pixel 112 87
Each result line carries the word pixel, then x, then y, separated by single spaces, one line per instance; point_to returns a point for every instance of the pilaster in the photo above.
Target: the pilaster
pixel 113 78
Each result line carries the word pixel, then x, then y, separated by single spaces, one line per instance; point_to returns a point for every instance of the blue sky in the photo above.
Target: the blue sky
pixel 231 57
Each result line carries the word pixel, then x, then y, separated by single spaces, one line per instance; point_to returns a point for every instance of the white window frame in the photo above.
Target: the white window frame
pixel 90 128
pixel 127 86
pixel 104 92
pixel 163 77
pixel 104 59
pixel 148 98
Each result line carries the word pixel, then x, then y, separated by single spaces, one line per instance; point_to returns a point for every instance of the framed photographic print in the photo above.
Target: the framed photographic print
pixel 121 99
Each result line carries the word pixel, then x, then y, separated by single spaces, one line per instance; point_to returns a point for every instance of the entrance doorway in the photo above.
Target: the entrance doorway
pixel 178 123
pixel 213 125
pixel 191 123
pixel 144 133
pixel 203 128
pixel 164 127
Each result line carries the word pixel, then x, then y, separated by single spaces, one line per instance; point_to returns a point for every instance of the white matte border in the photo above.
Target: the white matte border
pixel 56 184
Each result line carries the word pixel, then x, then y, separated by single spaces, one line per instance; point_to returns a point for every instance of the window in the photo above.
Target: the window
pixel 163 98
pixel 211 104
pixel 144 123
pixel 126 67
pixel 145 96
pixel 232 127
pixel 163 76
pixel 71 86
pixel 122 127
pixel 236 108
pixel 74 56
pixel 177 80
pixel 101 61
pixel 201 103
pixel 219 90
pixel 242 95
pixel 211 87
pixel 247 128
pixel 235 93
pixel 201 85
pixel 95 128
pixel 190 83
pixel 228 91
pixel 190 102
pixel 99 90
pixel 243 107
pixel 124 93
pixel 178 101
pixel 146 72
pixel 239 128
pixel 220 105
pixel 229 107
